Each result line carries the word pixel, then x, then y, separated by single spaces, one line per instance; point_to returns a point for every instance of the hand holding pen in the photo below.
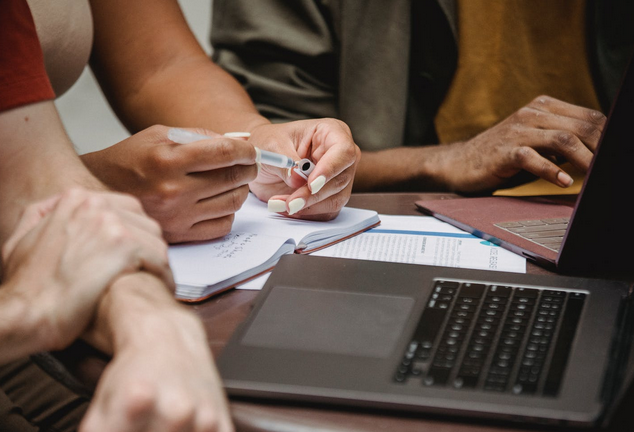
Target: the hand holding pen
pixel 192 190
pixel 327 188
pixel 302 167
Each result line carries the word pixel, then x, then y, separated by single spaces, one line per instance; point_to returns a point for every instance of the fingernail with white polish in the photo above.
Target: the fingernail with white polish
pixel 277 206
pixel 237 134
pixel 317 184
pixel 296 205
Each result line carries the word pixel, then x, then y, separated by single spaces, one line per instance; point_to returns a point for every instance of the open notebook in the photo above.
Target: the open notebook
pixel 257 241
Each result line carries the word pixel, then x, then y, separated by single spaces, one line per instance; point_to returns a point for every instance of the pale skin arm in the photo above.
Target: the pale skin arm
pixel 37 160
pixel 157 73
pixel 529 140
pixel 60 260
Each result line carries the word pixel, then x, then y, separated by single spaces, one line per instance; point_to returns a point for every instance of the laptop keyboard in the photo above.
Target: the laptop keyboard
pixel 493 337
pixel 546 232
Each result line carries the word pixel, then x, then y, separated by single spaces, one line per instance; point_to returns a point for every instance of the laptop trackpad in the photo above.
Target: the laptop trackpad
pixel 335 322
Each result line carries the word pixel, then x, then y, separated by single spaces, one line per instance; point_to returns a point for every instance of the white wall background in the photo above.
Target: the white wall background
pixel 88 119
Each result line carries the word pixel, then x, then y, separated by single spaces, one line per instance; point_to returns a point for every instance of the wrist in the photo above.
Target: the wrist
pixel 138 310
pixel 21 328
pixel 253 122
pixel 179 328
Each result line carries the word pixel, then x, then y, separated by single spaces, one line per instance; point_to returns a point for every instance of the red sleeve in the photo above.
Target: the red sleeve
pixel 23 78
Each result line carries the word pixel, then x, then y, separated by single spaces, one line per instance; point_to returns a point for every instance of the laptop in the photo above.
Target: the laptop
pixel 591 236
pixel 544 349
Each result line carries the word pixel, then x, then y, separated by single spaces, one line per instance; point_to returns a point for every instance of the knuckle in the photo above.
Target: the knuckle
pixel 180 415
pixel 588 130
pixel 525 113
pixel 154 226
pixel 224 226
pixel 116 232
pixel 208 421
pixel 541 100
pixel 138 400
pixel 340 182
pixel 237 198
pixel 565 140
pixel 521 154
pixel 172 225
pixel 54 330
pixel 211 425
pixel 212 229
pixel 94 201
pixel 335 203
pixel 5 252
pixel 357 154
pixel 75 192
pixel 157 129
pixel 162 158
pixel 596 117
pixel 168 192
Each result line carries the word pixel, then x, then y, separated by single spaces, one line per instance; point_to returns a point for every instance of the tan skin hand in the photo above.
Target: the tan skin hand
pixel 530 139
pixel 65 253
pixel 329 144
pixel 192 190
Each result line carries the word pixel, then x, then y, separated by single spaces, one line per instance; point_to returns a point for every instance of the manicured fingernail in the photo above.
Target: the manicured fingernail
pixel 238 134
pixel 259 165
pixel 564 179
pixel 277 206
pixel 317 184
pixel 296 205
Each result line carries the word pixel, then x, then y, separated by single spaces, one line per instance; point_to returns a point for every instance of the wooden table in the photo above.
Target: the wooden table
pixel 222 314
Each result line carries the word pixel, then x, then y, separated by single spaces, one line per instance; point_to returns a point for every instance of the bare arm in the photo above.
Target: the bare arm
pixel 156 73
pixel 37 161
pixel 529 140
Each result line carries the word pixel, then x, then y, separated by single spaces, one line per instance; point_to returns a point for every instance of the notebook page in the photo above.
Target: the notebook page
pixel 254 217
pixel 210 263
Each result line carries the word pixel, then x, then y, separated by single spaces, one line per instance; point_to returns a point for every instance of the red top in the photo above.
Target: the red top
pixel 23 78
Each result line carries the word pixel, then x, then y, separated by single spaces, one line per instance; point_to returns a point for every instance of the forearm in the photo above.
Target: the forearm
pixel 158 73
pixel 136 310
pixel 403 168
pixel 190 93
pixel 37 160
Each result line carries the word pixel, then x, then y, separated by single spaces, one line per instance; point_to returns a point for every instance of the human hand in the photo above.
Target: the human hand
pixel 192 190
pixel 161 378
pixel 67 250
pixel 328 143
pixel 530 139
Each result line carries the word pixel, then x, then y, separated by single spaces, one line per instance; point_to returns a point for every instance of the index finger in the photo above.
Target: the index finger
pixel 334 161
pixel 214 153
pixel 559 107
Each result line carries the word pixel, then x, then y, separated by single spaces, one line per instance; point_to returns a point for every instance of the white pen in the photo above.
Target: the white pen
pixel 265 157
